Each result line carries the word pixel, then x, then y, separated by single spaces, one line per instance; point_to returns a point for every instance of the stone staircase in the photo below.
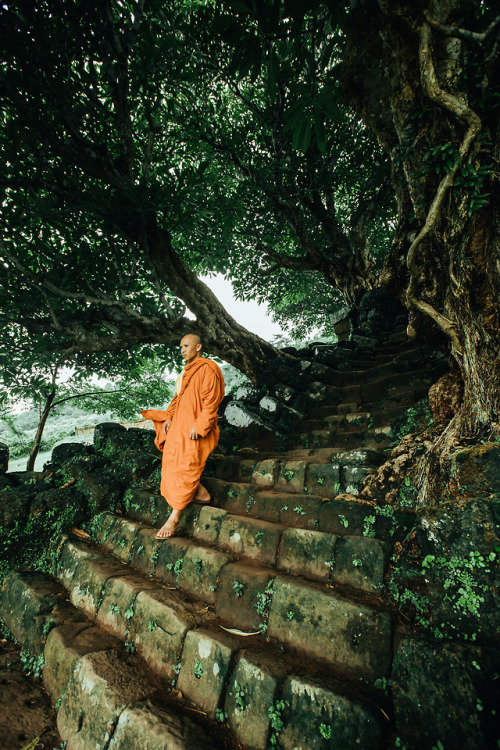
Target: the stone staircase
pixel 262 623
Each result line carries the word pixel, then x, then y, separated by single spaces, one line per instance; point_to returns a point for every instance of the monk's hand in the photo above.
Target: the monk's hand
pixel 193 434
pixel 166 425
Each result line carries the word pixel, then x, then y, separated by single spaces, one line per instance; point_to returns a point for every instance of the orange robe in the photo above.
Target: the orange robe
pixel 193 407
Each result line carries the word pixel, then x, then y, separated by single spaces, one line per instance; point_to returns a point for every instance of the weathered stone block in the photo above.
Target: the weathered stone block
pixel 66 451
pixel 241 416
pixel 358 457
pixel 206 660
pixel 248 393
pixel 145 551
pixel 241 594
pixel 236 497
pixel 323 479
pixel 477 469
pixel 189 518
pixel 223 467
pixel 139 463
pixel 252 690
pixel 208 524
pixel 88 584
pixel 103 526
pixel 360 562
pixel 123 537
pixel 344 517
pixel 243 469
pixel 101 488
pixel 310 706
pixel 147 726
pixel 171 559
pixel 270 405
pixel 85 571
pixel 307 553
pixel 266 506
pixel 101 687
pixel 31 604
pixel 446 692
pixel 252 538
pixel 300 511
pixel 264 474
pixel 291 476
pixel 118 601
pixel 349 635
pixel 340 315
pixel 158 626
pixel 285 393
pixel 14 504
pixel 65 646
pixel 146 507
pixel 109 434
pixel 200 572
pixel 352 477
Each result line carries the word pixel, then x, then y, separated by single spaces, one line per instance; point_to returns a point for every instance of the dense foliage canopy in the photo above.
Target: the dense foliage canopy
pixel 144 142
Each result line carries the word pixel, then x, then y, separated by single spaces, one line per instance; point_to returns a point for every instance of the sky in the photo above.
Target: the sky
pixel 249 314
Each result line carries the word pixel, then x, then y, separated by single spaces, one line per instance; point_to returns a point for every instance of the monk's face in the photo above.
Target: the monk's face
pixel 190 347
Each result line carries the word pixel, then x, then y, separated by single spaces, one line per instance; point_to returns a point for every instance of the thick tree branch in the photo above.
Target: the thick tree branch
pixel 285 261
pixel 45 286
pixel 458 33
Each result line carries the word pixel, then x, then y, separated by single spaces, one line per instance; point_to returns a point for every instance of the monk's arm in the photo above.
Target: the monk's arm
pixel 211 395
pixel 170 413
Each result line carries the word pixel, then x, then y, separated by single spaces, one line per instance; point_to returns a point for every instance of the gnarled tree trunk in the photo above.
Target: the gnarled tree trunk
pixel 423 77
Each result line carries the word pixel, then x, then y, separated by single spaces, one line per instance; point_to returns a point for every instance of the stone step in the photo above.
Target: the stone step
pixel 320 556
pixel 379 395
pixel 106 697
pixel 341 471
pixel 109 698
pixel 406 354
pixel 413 386
pixel 244 599
pixel 378 439
pixel 339 516
pixel 386 369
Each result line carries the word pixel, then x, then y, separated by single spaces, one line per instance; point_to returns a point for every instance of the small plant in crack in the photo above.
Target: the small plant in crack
pixel 239 696
pixel 198 670
pixel 239 588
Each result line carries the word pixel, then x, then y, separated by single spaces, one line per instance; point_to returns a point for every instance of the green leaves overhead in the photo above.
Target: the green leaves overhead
pixel 212 129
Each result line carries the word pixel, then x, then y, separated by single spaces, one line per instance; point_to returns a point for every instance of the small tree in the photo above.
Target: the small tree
pixel 28 374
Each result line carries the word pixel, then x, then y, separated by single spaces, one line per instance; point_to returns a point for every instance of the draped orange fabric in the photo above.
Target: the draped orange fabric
pixel 194 407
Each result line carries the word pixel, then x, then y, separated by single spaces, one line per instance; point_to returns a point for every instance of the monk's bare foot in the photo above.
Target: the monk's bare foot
pixel 168 529
pixel 202 495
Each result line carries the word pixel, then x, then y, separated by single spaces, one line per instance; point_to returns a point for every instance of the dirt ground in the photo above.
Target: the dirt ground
pixel 26 711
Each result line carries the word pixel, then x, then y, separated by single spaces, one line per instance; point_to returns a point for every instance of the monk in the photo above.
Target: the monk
pixel 187 431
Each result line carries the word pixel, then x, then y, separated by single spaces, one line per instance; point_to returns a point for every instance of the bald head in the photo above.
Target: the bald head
pixel 191 347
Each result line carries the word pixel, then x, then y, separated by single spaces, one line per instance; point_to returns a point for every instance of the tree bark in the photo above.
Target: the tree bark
pixel 30 466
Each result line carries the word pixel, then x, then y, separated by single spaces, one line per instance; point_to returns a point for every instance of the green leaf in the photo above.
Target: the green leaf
pixel 302 136
pixel 320 133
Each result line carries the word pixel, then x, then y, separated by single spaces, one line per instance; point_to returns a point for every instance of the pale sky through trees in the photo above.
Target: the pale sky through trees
pixel 249 313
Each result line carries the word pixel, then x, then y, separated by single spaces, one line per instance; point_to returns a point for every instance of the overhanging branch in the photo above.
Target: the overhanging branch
pixel 465 34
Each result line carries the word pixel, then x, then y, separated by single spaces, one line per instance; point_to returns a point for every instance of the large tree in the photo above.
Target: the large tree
pixel 425 78
pixel 144 144
pixel 96 239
